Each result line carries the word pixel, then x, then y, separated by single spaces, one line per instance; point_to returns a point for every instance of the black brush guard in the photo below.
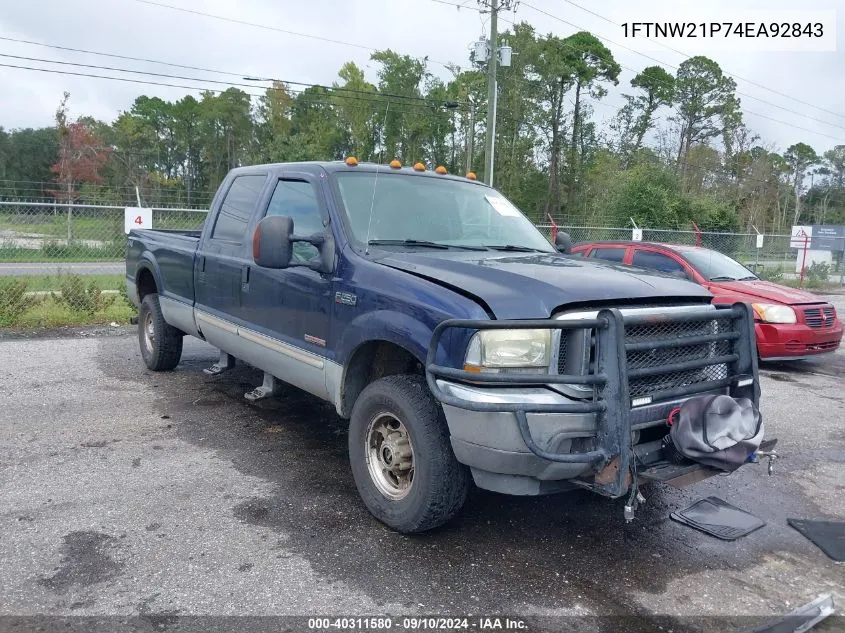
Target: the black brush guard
pixel 611 402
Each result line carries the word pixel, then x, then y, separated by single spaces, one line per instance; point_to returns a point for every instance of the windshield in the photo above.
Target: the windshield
pixel 439 211
pixel 717 267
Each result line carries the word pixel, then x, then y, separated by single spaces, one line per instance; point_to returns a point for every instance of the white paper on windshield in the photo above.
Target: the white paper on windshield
pixel 502 206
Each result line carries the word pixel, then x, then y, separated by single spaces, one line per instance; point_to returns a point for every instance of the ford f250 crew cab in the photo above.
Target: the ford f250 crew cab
pixel 457 340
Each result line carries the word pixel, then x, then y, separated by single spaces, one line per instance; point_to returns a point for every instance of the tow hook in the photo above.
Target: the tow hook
pixel 766 450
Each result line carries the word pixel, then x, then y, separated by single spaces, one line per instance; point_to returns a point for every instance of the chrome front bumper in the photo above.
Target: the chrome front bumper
pixel 490 443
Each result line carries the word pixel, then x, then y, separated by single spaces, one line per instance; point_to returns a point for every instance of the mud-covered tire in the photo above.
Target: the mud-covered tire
pixel 161 343
pixel 438 483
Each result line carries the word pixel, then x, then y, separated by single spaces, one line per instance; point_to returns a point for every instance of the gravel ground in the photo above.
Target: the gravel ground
pixel 126 493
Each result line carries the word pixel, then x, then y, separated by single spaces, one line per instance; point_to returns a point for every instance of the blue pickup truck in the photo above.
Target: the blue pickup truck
pixel 459 342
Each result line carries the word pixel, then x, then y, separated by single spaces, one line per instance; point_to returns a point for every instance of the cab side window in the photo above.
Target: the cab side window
pixel 237 208
pixel 297 199
pixel 608 254
pixel 659 262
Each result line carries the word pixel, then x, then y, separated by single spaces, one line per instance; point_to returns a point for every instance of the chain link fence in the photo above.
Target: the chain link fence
pixel 61 263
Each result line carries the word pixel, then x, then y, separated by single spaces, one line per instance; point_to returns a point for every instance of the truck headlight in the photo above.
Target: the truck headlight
pixel 774 313
pixel 509 350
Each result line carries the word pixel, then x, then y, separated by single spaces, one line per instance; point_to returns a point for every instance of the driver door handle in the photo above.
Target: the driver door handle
pixel 245 278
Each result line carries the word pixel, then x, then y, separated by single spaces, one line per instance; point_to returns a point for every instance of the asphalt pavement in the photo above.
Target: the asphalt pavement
pixel 124 492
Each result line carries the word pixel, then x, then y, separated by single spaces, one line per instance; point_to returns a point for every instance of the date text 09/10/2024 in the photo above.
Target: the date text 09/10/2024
pixel 723 29
pixel 417 624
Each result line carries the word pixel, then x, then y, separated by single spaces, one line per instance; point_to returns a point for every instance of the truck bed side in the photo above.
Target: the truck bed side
pixel 163 262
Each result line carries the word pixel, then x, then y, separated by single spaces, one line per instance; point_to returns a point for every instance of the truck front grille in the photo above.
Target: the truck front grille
pixel 651 347
pixel 679 352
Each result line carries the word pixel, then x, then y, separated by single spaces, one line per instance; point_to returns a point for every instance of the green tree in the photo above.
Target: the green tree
pixel 703 94
pixel 400 80
pixel 834 160
pixel 355 115
pixel 592 64
pixel 657 89
pixel 799 157
pixel 554 77
pixel 26 157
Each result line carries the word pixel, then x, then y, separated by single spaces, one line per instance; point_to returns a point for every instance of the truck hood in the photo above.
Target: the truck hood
pixel 764 290
pixel 533 285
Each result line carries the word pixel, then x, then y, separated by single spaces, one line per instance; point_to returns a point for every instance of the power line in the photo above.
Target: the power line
pixel 313 97
pixel 654 59
pixel 685 56
pixel 267 27
pixel 117 56
pixel 214 81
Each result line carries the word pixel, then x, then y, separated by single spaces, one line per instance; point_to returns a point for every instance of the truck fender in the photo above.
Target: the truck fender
pixel 147 262
pixel 385 325
pixel 402 330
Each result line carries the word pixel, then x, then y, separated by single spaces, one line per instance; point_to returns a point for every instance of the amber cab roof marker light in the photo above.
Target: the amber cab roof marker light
pixel 351 161
pixel 471 175
pixel 419 167
pixel 395 164
pixel 440 170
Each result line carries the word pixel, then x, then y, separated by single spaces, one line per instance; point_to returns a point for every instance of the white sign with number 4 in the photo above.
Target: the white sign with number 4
pixel 137 218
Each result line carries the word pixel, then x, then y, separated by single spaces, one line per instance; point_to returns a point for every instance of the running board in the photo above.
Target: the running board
pixel 271 386
pixel 226 362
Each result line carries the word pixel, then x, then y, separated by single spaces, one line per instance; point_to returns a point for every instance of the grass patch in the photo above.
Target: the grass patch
pixel 14 301
pixel 50 313
pixel 41 283
pixel 61 253
pixel 813 284
pixel 79 301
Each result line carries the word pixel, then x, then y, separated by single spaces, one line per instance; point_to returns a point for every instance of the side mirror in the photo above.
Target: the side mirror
pixel 271 242
pixel 563 242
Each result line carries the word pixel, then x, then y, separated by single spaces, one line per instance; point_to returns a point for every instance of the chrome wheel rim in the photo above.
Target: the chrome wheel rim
pixel 390 456
pixel 149 333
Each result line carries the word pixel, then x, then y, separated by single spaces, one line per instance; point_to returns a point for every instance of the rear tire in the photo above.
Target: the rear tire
pixel 401 457
pixel 161 343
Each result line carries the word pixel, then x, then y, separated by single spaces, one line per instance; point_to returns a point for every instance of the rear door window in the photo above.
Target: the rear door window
pixel 610 254
pixel 237 208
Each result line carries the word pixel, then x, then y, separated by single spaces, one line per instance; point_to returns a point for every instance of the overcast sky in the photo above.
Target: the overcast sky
pixel 414 27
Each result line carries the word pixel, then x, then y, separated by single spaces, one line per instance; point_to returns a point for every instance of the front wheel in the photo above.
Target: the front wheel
pixel 401 457
pixel 161 343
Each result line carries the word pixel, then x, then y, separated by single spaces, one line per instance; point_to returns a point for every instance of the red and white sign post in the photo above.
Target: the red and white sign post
pixel 800 238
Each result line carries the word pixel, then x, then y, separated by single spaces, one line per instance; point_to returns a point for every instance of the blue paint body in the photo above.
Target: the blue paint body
pixel 400 295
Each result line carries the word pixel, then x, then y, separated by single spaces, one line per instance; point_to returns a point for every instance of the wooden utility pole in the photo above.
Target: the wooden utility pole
pixel 492 59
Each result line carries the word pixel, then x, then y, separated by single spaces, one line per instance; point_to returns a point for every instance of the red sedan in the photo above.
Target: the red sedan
pixel 790 323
